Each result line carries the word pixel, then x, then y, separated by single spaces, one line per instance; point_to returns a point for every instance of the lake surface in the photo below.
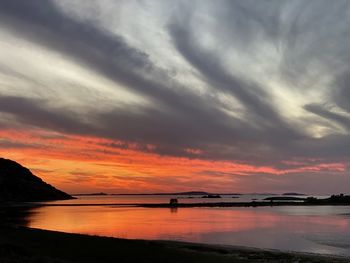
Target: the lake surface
pixel 319 229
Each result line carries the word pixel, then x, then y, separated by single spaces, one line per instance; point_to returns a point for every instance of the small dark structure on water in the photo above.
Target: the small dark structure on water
pixel 173 202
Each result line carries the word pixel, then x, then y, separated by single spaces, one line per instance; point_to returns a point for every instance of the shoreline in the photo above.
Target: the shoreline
pixel 19 244
pixel 178 205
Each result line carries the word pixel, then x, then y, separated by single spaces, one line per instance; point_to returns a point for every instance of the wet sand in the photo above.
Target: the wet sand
pixel 20 244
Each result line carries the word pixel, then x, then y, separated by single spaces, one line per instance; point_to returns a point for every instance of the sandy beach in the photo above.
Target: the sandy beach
pixel 20 244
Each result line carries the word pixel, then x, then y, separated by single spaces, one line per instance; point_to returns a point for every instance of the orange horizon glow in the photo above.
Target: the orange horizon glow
pixel 78 164
pixel 151 99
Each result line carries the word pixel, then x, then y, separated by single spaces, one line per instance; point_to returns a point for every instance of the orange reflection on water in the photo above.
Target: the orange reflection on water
pixel 142 222
pixel 182 224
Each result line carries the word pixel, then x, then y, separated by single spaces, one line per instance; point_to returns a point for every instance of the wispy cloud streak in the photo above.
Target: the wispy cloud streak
pixel 263 84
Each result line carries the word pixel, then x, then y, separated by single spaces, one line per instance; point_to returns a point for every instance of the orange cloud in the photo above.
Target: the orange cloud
pixel 82 164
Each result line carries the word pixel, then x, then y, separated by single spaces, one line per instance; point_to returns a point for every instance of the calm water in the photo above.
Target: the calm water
pixel 323 229
pixel 137 199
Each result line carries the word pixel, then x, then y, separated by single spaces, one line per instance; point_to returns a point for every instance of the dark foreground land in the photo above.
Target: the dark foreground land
pixel 20 244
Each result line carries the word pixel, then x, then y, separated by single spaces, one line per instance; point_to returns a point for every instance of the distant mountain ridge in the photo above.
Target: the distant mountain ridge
pixel 17 183
pixel 172 193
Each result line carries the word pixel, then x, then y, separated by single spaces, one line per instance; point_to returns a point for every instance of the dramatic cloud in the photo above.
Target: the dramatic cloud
pixel 260 86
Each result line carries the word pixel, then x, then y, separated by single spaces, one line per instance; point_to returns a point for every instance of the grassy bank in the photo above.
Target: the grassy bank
pixel 35 246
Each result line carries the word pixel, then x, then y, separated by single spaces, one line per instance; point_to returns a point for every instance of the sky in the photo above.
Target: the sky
pixel 176 95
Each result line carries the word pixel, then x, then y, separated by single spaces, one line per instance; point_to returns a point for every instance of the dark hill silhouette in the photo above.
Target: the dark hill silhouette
pixel 17 183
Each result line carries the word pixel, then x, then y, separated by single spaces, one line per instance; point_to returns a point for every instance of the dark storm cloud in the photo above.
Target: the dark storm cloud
pixel 304 34
pixel 329 115
pixel 37 113
pixel 170 135
pixel 41 22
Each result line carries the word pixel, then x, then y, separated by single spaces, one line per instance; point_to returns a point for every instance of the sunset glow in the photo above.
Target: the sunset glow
pixel 83 164
pixel 218 98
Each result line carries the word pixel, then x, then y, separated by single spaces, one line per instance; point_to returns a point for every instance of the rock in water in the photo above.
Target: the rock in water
pixel 17 183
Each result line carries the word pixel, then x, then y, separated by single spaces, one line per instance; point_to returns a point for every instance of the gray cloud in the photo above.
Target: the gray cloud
pixel 310 39
pixel 37 113
pixel 8 144
pixel 329 115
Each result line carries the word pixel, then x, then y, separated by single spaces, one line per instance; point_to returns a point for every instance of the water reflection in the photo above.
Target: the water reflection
pixel 291 228
pixel 173 209
pixel 133 199
pixel 16 216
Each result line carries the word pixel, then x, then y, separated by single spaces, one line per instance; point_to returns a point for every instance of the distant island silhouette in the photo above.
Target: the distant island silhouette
pixel 295 194
pixel 170 193
pixel 17 183
pixel 190 193
pixel 90 194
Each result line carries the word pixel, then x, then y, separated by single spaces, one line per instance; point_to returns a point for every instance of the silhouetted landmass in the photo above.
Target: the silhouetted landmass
pixel 284 198
pixel 309 201
pixel 282 201
pixel 19 245
pixel 17 183
pixel 174 193
pixel 295 194
pixel 262 194
pixel 181 193
pixel 90 194
pixel 334 199
pixel 192 193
